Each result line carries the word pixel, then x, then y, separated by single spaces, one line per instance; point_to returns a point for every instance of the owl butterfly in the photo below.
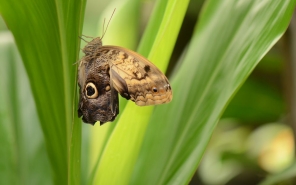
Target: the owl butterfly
pixel 105 71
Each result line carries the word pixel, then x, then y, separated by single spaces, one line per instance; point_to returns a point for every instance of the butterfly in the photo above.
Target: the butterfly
pixel 106 71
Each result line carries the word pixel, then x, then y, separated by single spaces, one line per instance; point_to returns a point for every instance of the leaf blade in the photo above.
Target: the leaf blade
pixel 222 53
pixel 127 135
pixel 48 47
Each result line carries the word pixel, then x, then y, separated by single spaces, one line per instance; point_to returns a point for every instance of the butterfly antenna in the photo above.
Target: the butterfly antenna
pixel 104 31
pixel 87 36
pixel 103 28
pixel 83 39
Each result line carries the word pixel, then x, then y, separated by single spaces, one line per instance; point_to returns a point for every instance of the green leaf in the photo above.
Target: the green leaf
pixel 230 39
pixel 46 34
pixel 23 154
pixel 125 10
pixel 122 147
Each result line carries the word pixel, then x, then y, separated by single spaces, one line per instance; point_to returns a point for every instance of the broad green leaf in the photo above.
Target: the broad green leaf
pixel 125 10
pixel 23 154
pixel 46 34
pixel 230 39
pixel 121 150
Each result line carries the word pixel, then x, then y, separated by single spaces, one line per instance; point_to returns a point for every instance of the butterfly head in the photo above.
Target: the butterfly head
pixel 92 46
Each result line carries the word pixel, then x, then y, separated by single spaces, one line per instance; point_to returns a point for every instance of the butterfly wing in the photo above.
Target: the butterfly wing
pixel 98 101
pixel 135 77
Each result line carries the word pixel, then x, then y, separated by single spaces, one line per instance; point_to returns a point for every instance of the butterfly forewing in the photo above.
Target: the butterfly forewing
pixel 136 78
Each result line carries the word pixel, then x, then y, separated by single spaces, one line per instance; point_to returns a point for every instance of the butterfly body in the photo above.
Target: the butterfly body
pixel 125 72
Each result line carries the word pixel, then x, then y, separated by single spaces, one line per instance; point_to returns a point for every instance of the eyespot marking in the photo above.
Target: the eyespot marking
pixel 91 91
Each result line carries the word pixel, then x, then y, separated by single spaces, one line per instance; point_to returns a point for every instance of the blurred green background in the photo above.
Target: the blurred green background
pixel 252 143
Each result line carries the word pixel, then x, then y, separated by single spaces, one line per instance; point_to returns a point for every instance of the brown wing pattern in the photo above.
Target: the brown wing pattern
pixel 98 101
pixel 135 77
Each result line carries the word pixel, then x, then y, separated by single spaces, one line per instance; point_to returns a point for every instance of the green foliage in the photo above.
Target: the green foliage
pixel 222 53
pixel 23 154
pixel 161 145
pixel 46 35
